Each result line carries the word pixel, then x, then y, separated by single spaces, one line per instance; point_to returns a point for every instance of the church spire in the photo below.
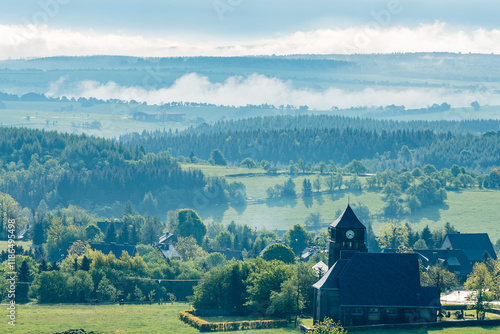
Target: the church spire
pixel 347 234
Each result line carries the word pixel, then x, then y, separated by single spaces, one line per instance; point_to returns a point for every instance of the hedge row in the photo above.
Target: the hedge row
pixel 204 326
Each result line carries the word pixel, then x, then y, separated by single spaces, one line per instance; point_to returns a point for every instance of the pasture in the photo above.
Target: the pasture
pixel 130 319
pixel 471 210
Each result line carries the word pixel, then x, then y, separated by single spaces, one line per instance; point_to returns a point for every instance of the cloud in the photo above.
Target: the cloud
pixel 18 41
pixel 259 89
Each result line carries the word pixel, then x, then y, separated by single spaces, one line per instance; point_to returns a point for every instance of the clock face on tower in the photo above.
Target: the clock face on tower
pixel 349 234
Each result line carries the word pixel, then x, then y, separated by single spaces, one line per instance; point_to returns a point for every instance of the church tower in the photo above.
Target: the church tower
pixel 347 233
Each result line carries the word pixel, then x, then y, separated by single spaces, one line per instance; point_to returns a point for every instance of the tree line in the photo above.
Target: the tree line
pixel 64 169
pixel 281 122
pixel 378 149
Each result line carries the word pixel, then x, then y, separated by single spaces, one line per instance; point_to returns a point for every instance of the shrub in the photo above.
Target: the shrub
pixel 189 318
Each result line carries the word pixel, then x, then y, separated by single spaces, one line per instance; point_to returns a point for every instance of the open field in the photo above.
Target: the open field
pixel 45 319
pixel 471 210
pixel 26 244
pixel 47 117
pixel 42 319
pixel 116 119
pixel 457 330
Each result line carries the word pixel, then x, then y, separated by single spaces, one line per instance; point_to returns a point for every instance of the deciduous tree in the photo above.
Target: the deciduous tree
pixel 279 252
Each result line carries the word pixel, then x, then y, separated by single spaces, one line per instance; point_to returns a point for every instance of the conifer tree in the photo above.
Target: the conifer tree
pixel 110 233
pixel 306 188
pixel 38 234
pixel 85 263
pixel 43 266
pixel 22 283
pixel 123 236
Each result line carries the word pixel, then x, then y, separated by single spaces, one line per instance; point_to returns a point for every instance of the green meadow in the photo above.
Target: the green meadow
pixel 47 116
pixel 25 244
pixel 106 319
pixel 116 119
pixel 129 319
pixel 471 210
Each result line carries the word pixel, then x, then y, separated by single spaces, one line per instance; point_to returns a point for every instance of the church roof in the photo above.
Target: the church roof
pixel 473 244
pixel 347 220
pixel 331 279
pixel 391 280
pixel 378 279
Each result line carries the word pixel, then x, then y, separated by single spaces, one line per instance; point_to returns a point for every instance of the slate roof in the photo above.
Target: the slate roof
pixel 320 267
pixel 455 259
pixel 167 238
pixel 391 280
pixel 473 244
pixel 452 257
pixel 169 252
pixel 377 279
pixel 103 226
pixel 117 249
pixel 230 254
pixel 308 252
pixel 280 233
pixel 331 279
pixel 347 220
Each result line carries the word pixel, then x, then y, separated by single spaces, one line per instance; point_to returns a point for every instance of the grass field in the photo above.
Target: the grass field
pixel 471 210
pixel 464 330
pixel 115 119
pixel 26 244
pixel 41 319
pixel 107 319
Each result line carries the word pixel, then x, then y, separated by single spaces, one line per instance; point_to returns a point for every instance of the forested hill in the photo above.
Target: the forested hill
pixel 343 122
pixel 64 169
pixel 280 140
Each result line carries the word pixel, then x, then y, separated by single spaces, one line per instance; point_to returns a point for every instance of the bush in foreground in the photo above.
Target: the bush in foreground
pixel 189 318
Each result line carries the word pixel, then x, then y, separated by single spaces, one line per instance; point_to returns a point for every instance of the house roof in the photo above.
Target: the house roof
pixel 167 238
pixel 473 244
pixel 148 113
pixel 103 226
pixel 169 252
pixel 347 220
pixel 455 259
pixel 117 249
pixel 308 252
pixel 452 257
pixel 320 267
pixel 230 254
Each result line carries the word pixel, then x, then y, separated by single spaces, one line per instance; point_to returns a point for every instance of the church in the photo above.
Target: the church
pixel 362 288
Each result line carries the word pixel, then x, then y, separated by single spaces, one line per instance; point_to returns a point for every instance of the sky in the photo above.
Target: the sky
pixel 40 28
